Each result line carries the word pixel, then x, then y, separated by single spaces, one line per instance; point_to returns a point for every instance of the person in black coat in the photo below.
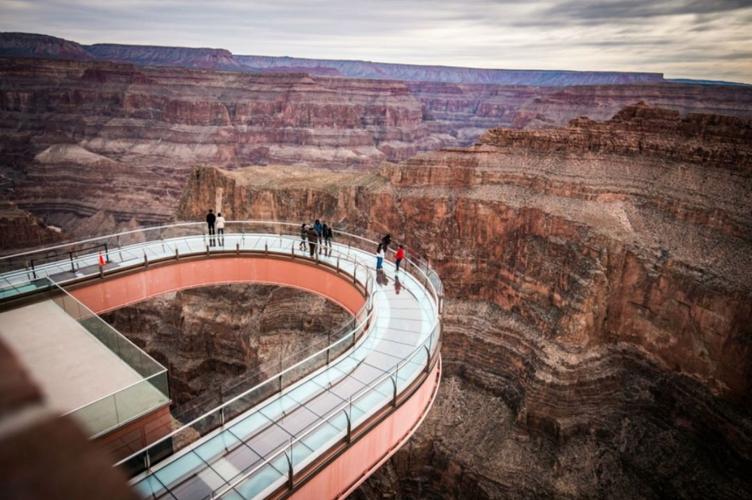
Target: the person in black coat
pixel 385 242
pixel 210 220
pixel 313 239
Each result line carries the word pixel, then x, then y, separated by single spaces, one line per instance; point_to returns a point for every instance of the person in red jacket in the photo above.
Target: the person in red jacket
pixel 399 256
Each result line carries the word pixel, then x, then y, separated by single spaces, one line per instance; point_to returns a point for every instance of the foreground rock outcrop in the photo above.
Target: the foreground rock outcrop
pixel 597 338
pixel 43 455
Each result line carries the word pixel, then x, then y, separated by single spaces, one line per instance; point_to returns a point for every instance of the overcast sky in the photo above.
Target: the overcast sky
pixel 682 38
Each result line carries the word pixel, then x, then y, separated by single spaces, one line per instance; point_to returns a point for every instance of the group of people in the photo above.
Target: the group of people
pixel 318 236
pixel 382 250
pixel 216 225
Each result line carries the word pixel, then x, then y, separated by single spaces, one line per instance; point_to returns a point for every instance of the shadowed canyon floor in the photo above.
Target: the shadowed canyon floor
pixel 217 340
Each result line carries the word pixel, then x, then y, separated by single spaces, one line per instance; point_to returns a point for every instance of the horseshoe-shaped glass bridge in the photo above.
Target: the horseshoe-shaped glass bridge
pixel 317 424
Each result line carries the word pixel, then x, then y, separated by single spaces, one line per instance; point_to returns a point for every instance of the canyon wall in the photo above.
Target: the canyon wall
pixel 85 139
pixel 597 338
pixel 93 146
pixel 217 340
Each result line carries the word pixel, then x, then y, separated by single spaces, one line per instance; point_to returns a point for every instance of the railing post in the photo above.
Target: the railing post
pixel 266 247
pixel 114 403
pixel 146 260
pixel 106 253
pixel 147 460
pixel 394 389
pixel 289 467
pixel 207 249
pixel 349 424
pixel 72 266
pixel 177 254
pixel 222 416
pixel 337 264
pixel 33 271
pixel 327 355
pixel 237 248
pixel 428 359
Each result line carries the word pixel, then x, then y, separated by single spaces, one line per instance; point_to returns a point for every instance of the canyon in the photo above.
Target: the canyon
pixel 593 233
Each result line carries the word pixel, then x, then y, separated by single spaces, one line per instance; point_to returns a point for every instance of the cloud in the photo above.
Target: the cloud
pixel 682 38
pixel 619 10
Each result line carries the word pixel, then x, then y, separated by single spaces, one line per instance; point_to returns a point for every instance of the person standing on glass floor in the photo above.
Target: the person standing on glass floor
pixel 399 256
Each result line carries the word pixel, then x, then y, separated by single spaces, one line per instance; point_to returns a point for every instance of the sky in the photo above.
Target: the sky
pixel 703 39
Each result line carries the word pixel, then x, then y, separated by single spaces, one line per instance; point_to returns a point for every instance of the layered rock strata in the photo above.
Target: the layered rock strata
pixel 597 337
pixel 88 138
pixel 97 146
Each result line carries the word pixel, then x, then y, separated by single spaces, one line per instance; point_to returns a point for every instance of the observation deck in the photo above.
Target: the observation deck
pixel 317 428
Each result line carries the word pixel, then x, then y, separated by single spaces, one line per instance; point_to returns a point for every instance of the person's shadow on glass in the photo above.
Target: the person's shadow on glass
pixel 381 278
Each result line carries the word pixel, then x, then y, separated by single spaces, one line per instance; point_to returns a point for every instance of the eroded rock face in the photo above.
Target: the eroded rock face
pixel 82 139
pixel 597 340
pixel 215 339
pixel 99 144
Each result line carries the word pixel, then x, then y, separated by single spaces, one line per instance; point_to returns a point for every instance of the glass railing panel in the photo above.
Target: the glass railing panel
pixel 410 370
pixel 304 367
pixel 99 415
pixel 325 436
pixel 375 398
pixel 264 480
pixel 250 425
pixel 140 398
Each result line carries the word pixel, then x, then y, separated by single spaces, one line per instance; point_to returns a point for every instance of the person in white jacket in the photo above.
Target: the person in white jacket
pixel 221 228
